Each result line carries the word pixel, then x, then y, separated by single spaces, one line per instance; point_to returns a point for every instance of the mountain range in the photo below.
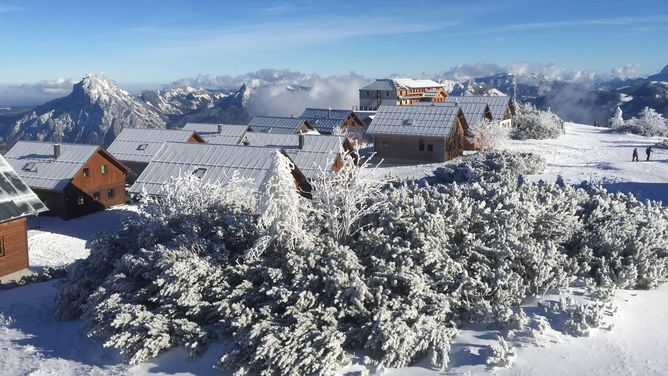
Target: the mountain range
pixel 97 109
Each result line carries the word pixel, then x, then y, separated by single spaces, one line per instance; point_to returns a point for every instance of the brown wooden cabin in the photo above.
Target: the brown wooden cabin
pixel 17 202
pixel 71 180
pixel 420 133
pixel 135 147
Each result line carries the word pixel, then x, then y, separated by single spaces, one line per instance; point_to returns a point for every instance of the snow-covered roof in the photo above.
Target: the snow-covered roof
pixel 410 83
pixel 277 124
pixel 402 82
pixel 218 162
pixel 326 120
pixel 142 144
pixel 16 198
pixel 498 105
pixel 473 112
pixel 34 161
pixel 427 121
pixel 226 134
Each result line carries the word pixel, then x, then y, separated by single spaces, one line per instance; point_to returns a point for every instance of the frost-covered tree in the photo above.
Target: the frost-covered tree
pixel 532 123
pixel 617 120
pixel 488 135
pixel 281 208
pixel 649 123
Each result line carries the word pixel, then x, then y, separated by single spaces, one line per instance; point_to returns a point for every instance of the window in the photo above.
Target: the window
pixel 103 169
pixel 96 196
pixel 387 93
pixel 142 146
pixel 110 193
pixel 30 166
pixel 199 172
pixel 80 200
pixel 430 147
pixel 2 246
pixel 421 145
pixel 86 172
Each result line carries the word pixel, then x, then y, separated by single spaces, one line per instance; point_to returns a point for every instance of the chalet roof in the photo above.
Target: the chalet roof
pixel 318 152
pixel 498 105
pixel 35 163
pixel 16 199
pixel 142 144
pixel 278 124
pixel 473 112
pixel 427 121
pixel 230 134
pixel 403 83
pixel 326 120
pixel 218 162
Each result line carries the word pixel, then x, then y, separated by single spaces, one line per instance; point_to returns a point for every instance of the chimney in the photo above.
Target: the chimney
pixel 329 112
pixel 56 151
pixel 301 141
pixel 220 128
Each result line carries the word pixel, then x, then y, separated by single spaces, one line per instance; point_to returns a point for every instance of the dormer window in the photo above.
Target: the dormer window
pixel 142 146
pixel 30 166
pixel 407 122
pixel 199 172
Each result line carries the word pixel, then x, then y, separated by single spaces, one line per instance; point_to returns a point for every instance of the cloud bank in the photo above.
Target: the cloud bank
pixel 34 94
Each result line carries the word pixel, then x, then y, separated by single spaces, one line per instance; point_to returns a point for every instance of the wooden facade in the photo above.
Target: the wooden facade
pixel 431 149
pixel 13 246
pixel 99 184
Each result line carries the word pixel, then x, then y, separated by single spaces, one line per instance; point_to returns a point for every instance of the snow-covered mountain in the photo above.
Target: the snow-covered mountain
pixel 95 112
pixel 219 107
pixel 174 101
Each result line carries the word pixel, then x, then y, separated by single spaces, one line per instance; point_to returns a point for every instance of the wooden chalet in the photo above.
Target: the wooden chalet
pixel 475 113
pixel 501 107
pixel 211 162
pixel 135 147
pixel 278 124
pixel 17 202
pixel 335 121
pixel 312 154
pixel 70 179
pixel 421 133
pixel 400 92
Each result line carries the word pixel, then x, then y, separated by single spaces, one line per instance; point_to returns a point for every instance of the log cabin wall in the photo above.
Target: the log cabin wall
pixel 13 246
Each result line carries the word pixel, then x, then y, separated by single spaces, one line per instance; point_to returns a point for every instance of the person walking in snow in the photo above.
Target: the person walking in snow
pixel 635 155
pixel 648 151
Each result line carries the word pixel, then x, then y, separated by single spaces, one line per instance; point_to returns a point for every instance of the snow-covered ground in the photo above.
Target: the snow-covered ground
pixel 32 342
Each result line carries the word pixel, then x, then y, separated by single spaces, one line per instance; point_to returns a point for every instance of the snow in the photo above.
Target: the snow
pixel 55 242
pixel 33 342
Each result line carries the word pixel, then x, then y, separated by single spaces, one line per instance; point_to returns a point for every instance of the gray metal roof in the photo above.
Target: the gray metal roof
pixel 16 199
pixel 34 161
pixel 318 151
pixel 426 121
pixel 230 134
pixel 219 162
pixel 142 144
pixel 276 124
pixel 325 120
pixel 381 84
pixel 404 83
pixel 498 105
pixel 473 112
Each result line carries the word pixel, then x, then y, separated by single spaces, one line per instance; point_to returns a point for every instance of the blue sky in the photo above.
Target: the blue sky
pixel 143 41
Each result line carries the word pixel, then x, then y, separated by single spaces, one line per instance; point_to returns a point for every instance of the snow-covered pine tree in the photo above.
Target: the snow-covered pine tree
pixel 617 120
pixel 282 210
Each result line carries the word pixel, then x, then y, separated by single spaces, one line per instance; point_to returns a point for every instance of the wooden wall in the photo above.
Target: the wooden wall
pixel 408 147
pixel 14 237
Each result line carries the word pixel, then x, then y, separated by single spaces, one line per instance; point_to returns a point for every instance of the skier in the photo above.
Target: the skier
pixel 635 155
pixel 648 151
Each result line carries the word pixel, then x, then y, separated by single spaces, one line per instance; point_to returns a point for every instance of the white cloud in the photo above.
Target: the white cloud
pixel 37 93
pixel 626 71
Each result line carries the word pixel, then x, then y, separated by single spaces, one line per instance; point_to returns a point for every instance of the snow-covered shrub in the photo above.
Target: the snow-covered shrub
pixel 499 354
pixel 617 120
pixel 490 166
pixel 532 123
pixel 488 135
pixel 47 274
pixel 649 123
pixel 392 276
pixel 578 318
